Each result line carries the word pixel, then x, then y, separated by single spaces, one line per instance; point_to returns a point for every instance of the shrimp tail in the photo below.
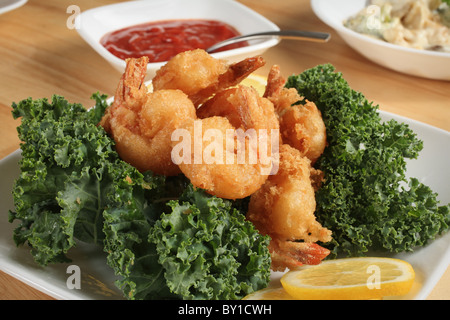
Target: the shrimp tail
pixel 130 91
pixel 234 75
pixel 130 88
pixel 289 254
pixel 240 70
pixel 275 82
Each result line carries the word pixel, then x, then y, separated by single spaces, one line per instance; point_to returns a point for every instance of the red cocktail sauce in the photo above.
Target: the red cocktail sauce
pixel 162 40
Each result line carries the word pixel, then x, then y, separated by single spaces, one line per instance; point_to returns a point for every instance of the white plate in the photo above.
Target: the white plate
pixel 97 278
pixel 8 5
pixel 422 63
pixel 95 23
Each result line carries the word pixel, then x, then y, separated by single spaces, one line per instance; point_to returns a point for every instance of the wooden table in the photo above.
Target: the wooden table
pixel 41 56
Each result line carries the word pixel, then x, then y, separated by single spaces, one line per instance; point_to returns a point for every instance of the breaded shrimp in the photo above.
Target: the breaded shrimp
pixel 243 107
pixel 218 170
pixel 243 162
pixel 189 71
pixel 200 75
pixel 284 209
pixel 301 125
pixel 141 122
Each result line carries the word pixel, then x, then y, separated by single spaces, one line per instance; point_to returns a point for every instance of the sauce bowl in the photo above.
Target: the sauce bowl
pixel 93 24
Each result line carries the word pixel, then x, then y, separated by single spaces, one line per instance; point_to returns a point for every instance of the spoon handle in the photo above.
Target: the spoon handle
pixel 283 34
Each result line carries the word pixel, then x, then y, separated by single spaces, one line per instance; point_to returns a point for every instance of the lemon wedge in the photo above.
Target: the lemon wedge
pixel 256 81
pixel 350 279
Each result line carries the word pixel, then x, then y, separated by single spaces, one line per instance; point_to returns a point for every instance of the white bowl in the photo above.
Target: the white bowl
pixel 94 23
pixel 9 5
pixel 422 63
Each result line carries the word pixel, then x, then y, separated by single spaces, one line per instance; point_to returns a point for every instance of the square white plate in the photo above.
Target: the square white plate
pixel 97 279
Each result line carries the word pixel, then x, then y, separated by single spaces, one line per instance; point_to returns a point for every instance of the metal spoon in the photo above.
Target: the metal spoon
pixel 283 34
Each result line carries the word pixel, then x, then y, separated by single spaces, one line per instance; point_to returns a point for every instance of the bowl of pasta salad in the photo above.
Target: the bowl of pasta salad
pixel 408 36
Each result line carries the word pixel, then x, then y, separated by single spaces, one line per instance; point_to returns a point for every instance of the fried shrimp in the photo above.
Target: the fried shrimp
pixel 301 125
pixel 227 139
pixel 189 71
pixel 245 132
pixel 284 209
pixel 243 107
pixel 218 171
pixel 141 122
pixel 199 75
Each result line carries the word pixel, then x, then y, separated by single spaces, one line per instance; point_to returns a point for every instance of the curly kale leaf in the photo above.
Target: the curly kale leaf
pixel 208 250
pixel 69 170
pixel 127 227
pixel 363 200
pixel 180 243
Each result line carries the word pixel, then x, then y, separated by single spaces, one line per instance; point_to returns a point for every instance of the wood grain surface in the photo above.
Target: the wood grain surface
pixel 41 56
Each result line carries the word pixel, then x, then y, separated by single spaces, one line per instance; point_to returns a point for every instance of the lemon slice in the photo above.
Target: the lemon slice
pixel 277 293
pixel 350 279
pixel 256 81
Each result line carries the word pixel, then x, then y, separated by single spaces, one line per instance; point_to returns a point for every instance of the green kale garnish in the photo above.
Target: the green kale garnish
pixel 364 199
pixel 69 174
pixel 74 187
pixel 209 250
